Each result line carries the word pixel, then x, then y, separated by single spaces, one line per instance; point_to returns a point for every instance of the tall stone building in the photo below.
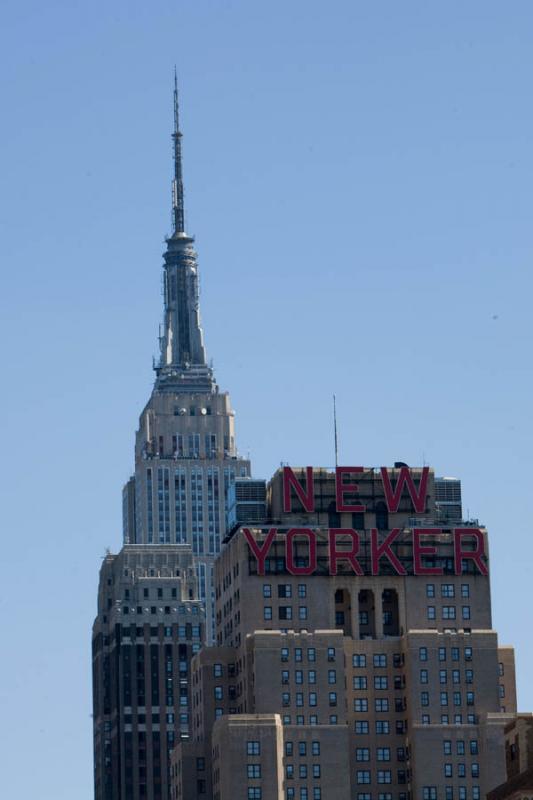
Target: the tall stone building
pixel 185 450
pixel 156 597
pixel 355 652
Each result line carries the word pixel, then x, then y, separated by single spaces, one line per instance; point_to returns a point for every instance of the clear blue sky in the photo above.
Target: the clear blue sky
pixel 359 179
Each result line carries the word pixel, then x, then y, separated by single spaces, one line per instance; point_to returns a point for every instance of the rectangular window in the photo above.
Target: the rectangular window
pixel 423 676
pixel 332 676
pixel 381 704
pixel 465 590
pixel 444 698
pixel 359 660
pixel 424 698
pixel 431 613
pixel 380 660
pixel 360 704
pixel 422 654
pixel 383 753
pixel 465 611
pixel 302 612
pixel 442 654
pixel 447 746
pixel 361 726
pixel 362 754
pixel 443 676
pixel 285 612
pixel 254 793
pixel 380 682
pixel 384 776
pixel 429 793
pixel 254 770
pixel 359 682
pixel 331 654
pixel 267 612
pixel 302 590
pixel 311 654
pixel 311 676
pixel 253 748
pixel 284 653
pixel 362 776
pixel 267 590
pixel 430 590
pixel 448 612
pixel 382 726
pixel 447 590
pixel 284 590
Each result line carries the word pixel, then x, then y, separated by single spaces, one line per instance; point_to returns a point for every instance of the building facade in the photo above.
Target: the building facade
pixel 353 626
pixel 149 625
pixel 519 761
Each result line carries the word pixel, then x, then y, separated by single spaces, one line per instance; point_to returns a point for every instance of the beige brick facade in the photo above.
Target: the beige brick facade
pixel 396 678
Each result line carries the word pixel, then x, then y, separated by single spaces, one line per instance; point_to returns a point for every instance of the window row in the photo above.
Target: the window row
pixel 471 719
pixel 284 612
pixel 447 590
pixel 302 771
pixel 448 612
pixel 382 727
pixel 455 675
pixel 312 699
pixel 455 654
pixel 285 590
pixel 444 699
pixel 311 676
pixel 310 652
pixel 430 793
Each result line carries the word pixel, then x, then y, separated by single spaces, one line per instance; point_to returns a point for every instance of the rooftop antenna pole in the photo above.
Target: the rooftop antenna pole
pixel 178 207
pixel 335 431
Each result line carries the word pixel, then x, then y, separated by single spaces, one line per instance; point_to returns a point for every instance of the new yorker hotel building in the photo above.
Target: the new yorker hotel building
pixel 355 653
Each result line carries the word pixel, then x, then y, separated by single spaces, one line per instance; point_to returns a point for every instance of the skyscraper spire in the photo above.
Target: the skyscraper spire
pixel 182 363
pixel 178 209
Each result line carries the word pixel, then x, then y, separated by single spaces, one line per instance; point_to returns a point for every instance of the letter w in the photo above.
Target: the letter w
pixel 393 496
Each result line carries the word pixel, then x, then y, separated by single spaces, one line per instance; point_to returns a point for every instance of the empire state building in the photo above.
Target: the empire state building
pixel 185 452
pixel 156 597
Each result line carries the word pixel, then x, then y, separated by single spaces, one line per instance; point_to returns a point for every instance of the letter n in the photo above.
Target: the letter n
pixel 307 498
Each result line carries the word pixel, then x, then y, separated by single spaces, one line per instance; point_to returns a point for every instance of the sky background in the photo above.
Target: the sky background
pixel 359 178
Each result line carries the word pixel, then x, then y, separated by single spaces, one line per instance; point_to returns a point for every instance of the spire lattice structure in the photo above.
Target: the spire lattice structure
pixel 178 206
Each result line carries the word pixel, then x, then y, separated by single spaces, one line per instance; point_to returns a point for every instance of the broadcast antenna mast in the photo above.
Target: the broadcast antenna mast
pixel 335 432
